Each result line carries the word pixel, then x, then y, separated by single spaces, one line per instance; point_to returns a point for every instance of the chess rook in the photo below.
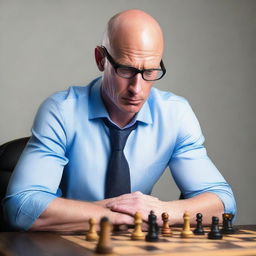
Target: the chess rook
pixel 227 227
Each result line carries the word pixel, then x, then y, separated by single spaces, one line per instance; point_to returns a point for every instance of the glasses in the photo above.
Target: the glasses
pixel 151 74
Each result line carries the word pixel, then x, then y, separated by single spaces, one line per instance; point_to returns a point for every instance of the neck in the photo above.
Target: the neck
pixel 118 116
pixel 121 121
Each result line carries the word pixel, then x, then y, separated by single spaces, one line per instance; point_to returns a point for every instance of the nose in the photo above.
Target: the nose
pixel 135 85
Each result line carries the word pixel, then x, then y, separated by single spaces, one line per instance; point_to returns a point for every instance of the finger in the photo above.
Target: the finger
pixel 125 208
pixel 124 201
pixel 134 198
pixel 132 211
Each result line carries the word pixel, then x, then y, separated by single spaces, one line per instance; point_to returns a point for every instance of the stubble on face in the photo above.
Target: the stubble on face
pixel 120 96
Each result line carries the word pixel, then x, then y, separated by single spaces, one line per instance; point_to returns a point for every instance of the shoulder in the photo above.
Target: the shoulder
pixel 72 94
pixel 69 97
pixel 167 101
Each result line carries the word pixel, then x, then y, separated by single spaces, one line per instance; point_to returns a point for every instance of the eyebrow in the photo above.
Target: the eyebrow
pixel 127 66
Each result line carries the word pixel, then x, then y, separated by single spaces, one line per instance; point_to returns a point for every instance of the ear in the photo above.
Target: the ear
pixel 99 58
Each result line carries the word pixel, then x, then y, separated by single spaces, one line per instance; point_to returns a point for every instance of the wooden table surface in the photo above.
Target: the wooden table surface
pixel 55 244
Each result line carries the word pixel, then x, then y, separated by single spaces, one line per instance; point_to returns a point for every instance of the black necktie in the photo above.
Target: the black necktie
pixel 118 173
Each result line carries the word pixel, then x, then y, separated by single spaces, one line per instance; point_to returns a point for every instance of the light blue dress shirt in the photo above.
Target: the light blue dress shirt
pixel 68 153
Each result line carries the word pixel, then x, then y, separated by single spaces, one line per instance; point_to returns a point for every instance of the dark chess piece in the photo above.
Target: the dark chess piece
pixel 199 230
pixel 227 227
pixel 152 235
pixel 215 232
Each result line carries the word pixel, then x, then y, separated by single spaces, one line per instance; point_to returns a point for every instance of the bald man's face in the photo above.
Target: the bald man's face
pixel 128 95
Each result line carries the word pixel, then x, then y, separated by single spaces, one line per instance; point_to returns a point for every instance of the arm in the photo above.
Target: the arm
pixel 35 180
pixel 71 215
pixel 33 197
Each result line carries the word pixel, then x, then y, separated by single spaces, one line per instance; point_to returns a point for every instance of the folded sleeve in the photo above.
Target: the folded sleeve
pixel 191 168
pixel 37 175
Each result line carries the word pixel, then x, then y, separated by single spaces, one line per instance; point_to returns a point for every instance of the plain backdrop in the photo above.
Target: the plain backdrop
pixel 48 45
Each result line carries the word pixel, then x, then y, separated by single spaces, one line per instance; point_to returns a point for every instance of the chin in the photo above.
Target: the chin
pixel 132 109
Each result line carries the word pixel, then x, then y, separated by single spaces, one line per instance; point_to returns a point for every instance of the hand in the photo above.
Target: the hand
pixel 120 218
pixel 105 201
pixel 138 202
pixel 116 218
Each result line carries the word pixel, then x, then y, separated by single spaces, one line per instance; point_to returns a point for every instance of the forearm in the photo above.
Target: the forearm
pixel 208 204
pixel 71 215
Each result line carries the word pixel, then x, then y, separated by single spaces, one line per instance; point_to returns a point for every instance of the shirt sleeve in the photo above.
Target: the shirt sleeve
pixel 37 175
pixel 192 170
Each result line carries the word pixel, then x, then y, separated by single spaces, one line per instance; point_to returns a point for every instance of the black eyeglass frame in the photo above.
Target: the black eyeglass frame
pixel 136 70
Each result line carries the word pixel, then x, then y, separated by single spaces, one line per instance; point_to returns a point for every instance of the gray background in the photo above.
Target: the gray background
pixel 46 46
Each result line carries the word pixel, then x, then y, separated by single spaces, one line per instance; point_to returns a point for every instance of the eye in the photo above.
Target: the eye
pixel 126 72
pixel 150 73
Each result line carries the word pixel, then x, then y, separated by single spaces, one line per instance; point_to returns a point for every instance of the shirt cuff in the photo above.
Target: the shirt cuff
pixel 27 209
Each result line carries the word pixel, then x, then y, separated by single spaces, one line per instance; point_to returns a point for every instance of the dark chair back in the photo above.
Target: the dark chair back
pixel 9 155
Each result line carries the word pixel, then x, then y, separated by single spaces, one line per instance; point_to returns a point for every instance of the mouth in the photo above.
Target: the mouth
pixel 133 101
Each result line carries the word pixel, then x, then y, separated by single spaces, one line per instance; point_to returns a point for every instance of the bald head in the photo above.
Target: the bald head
pixel 133 34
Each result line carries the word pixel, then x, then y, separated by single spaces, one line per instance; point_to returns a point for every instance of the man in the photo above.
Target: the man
pixel 62 178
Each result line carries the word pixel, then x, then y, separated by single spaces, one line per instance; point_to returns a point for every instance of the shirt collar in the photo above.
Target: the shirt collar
pixel 97 108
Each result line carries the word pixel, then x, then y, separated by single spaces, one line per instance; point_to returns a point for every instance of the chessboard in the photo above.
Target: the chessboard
pixel 243 242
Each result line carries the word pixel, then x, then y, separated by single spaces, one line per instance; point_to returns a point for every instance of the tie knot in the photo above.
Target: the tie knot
pixel 118 137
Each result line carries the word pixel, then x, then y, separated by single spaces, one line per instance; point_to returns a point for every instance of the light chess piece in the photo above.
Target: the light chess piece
pixel 186 231
pixel 92 234
pixel 137 234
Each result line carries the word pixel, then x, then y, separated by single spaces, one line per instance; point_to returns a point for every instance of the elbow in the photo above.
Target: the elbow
pixel 22 210
pixel 227 197
pixel 223 191
pixel 13 217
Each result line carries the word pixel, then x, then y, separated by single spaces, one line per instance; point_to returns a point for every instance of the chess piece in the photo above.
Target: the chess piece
pixel 166 230
pixel 104 245
pixel 137 234
pixel 152 235
pixel 215 232
pixel 199 227
pixel 227 227
pixel 186 231
pixel 92 234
